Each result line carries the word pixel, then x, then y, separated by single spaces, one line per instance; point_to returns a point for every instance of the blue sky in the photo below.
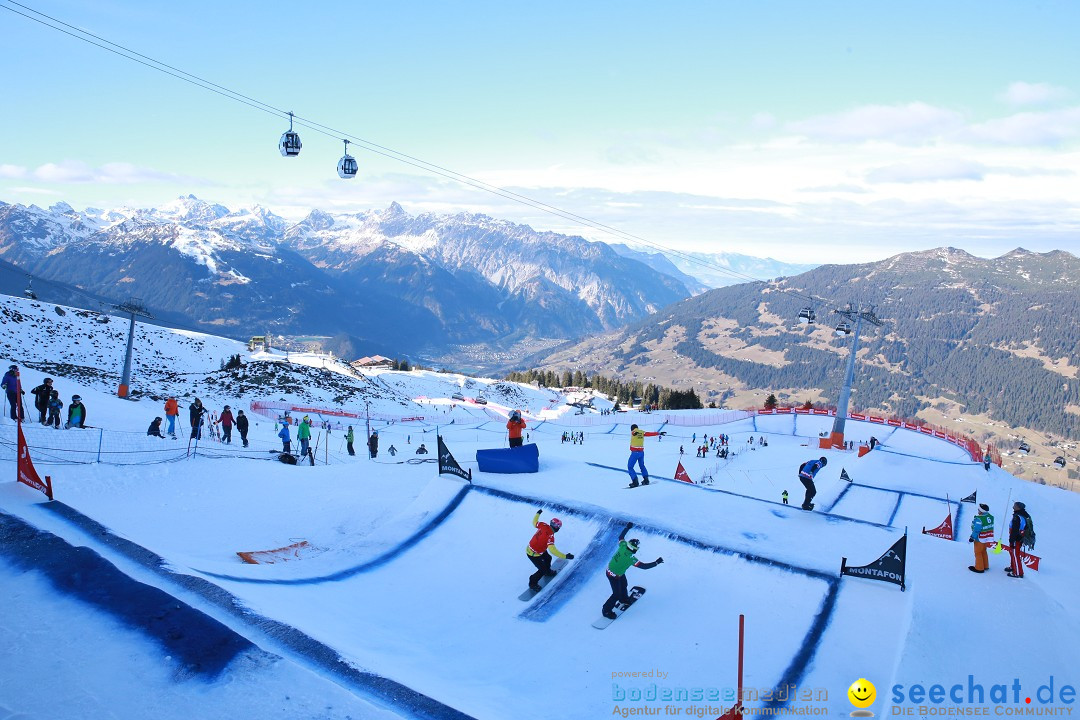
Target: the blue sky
pixel 825 132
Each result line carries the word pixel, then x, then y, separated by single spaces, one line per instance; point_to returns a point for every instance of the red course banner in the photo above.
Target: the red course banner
pixel 26 472
pixel 680 474
pixel 944 530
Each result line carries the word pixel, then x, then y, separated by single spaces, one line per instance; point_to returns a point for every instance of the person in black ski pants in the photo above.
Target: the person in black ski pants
pixel 42 394
pixel 625 558
pixel 807 471
pixel 242 426
pixel 11 385
pixel 195 414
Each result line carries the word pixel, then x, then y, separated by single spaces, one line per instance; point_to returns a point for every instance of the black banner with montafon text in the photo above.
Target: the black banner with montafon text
pixel 447 463
pixel 890 567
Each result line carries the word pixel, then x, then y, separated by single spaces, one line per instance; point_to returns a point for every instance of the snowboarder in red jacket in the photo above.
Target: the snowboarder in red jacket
pixel 542 547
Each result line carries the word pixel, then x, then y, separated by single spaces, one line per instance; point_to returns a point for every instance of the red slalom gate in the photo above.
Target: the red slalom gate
pixel 735 713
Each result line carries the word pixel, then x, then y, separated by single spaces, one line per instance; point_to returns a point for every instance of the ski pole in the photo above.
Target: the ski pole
pixel 997 547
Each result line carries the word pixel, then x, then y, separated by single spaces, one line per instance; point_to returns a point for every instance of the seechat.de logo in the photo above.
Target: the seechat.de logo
pixel 862 695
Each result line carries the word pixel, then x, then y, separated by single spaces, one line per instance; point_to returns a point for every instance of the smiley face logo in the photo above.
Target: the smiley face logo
pixel 862 695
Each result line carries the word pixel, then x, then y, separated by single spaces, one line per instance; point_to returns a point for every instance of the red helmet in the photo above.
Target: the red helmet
pixel 555 524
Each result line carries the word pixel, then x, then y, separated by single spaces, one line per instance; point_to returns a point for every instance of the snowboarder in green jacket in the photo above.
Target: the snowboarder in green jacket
pixel 349 437
pixel 622 561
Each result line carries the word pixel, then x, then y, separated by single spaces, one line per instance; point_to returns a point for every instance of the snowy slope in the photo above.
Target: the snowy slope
pixel 412 578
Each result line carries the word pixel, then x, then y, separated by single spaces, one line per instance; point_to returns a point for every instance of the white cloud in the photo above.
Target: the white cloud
pixel 841 188
pixel 118 173
pixel 36 191
pixel 763 121
pixel 1049 128
pixel 12 172
pixel 1023 94
pixel 905 124
pixel 927 170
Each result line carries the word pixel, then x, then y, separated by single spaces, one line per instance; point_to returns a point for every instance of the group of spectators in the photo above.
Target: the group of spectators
pixel 47 402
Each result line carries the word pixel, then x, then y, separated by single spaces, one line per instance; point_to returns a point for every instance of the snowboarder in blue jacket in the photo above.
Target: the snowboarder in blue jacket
pixel 807 471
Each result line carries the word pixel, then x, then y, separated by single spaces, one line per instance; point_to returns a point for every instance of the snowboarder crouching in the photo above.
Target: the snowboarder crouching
pixel 542 547
pixel 155 428
pixel 623 559
pixel 76 413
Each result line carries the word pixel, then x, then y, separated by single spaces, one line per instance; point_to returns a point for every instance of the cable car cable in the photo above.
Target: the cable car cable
pixel 369 145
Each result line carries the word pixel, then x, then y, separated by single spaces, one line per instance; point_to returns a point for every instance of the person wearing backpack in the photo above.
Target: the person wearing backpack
pixel 1021 534
pixel 982 534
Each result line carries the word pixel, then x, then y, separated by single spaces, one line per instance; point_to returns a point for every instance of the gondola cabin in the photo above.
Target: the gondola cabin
pixel 290 144
pixel 346 167
pixel 807 316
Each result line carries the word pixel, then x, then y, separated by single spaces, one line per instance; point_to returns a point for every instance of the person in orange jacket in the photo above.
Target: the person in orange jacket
pixel 542 547
pixel 172 411
pixel 514 426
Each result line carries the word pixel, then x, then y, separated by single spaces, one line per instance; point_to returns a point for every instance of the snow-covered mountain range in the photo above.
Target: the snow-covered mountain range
pixel 398 283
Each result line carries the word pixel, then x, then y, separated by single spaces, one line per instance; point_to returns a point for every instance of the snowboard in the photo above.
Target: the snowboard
pixel 556 566
pixel 640 484
pixel 635 594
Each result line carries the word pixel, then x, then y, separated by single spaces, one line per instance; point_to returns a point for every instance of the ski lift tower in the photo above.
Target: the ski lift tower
pixel 135 308
pixel 836 438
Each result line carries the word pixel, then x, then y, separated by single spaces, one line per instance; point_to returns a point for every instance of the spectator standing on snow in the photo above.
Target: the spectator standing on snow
pixel 55 406
pixel 10 383
pixel 1020 525
pixel 542 547
pixel 226 421
pixel 807 471
pixel 373 444
pixel 422 450
pixel 42 393
pixel 172 412
pixel 76 413
pixel 196 411
pixel 286 438
pixel 637 454
pixel 986 461
pixel 982 535
pixel 155 428
pixel 303 434
pixel 514 426
pixel 349 437
pixel 242 426
pixel 784 495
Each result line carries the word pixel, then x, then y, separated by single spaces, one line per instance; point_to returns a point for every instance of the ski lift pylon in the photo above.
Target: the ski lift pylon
pixel 29 291
pixel 346 167
pixel 290 144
